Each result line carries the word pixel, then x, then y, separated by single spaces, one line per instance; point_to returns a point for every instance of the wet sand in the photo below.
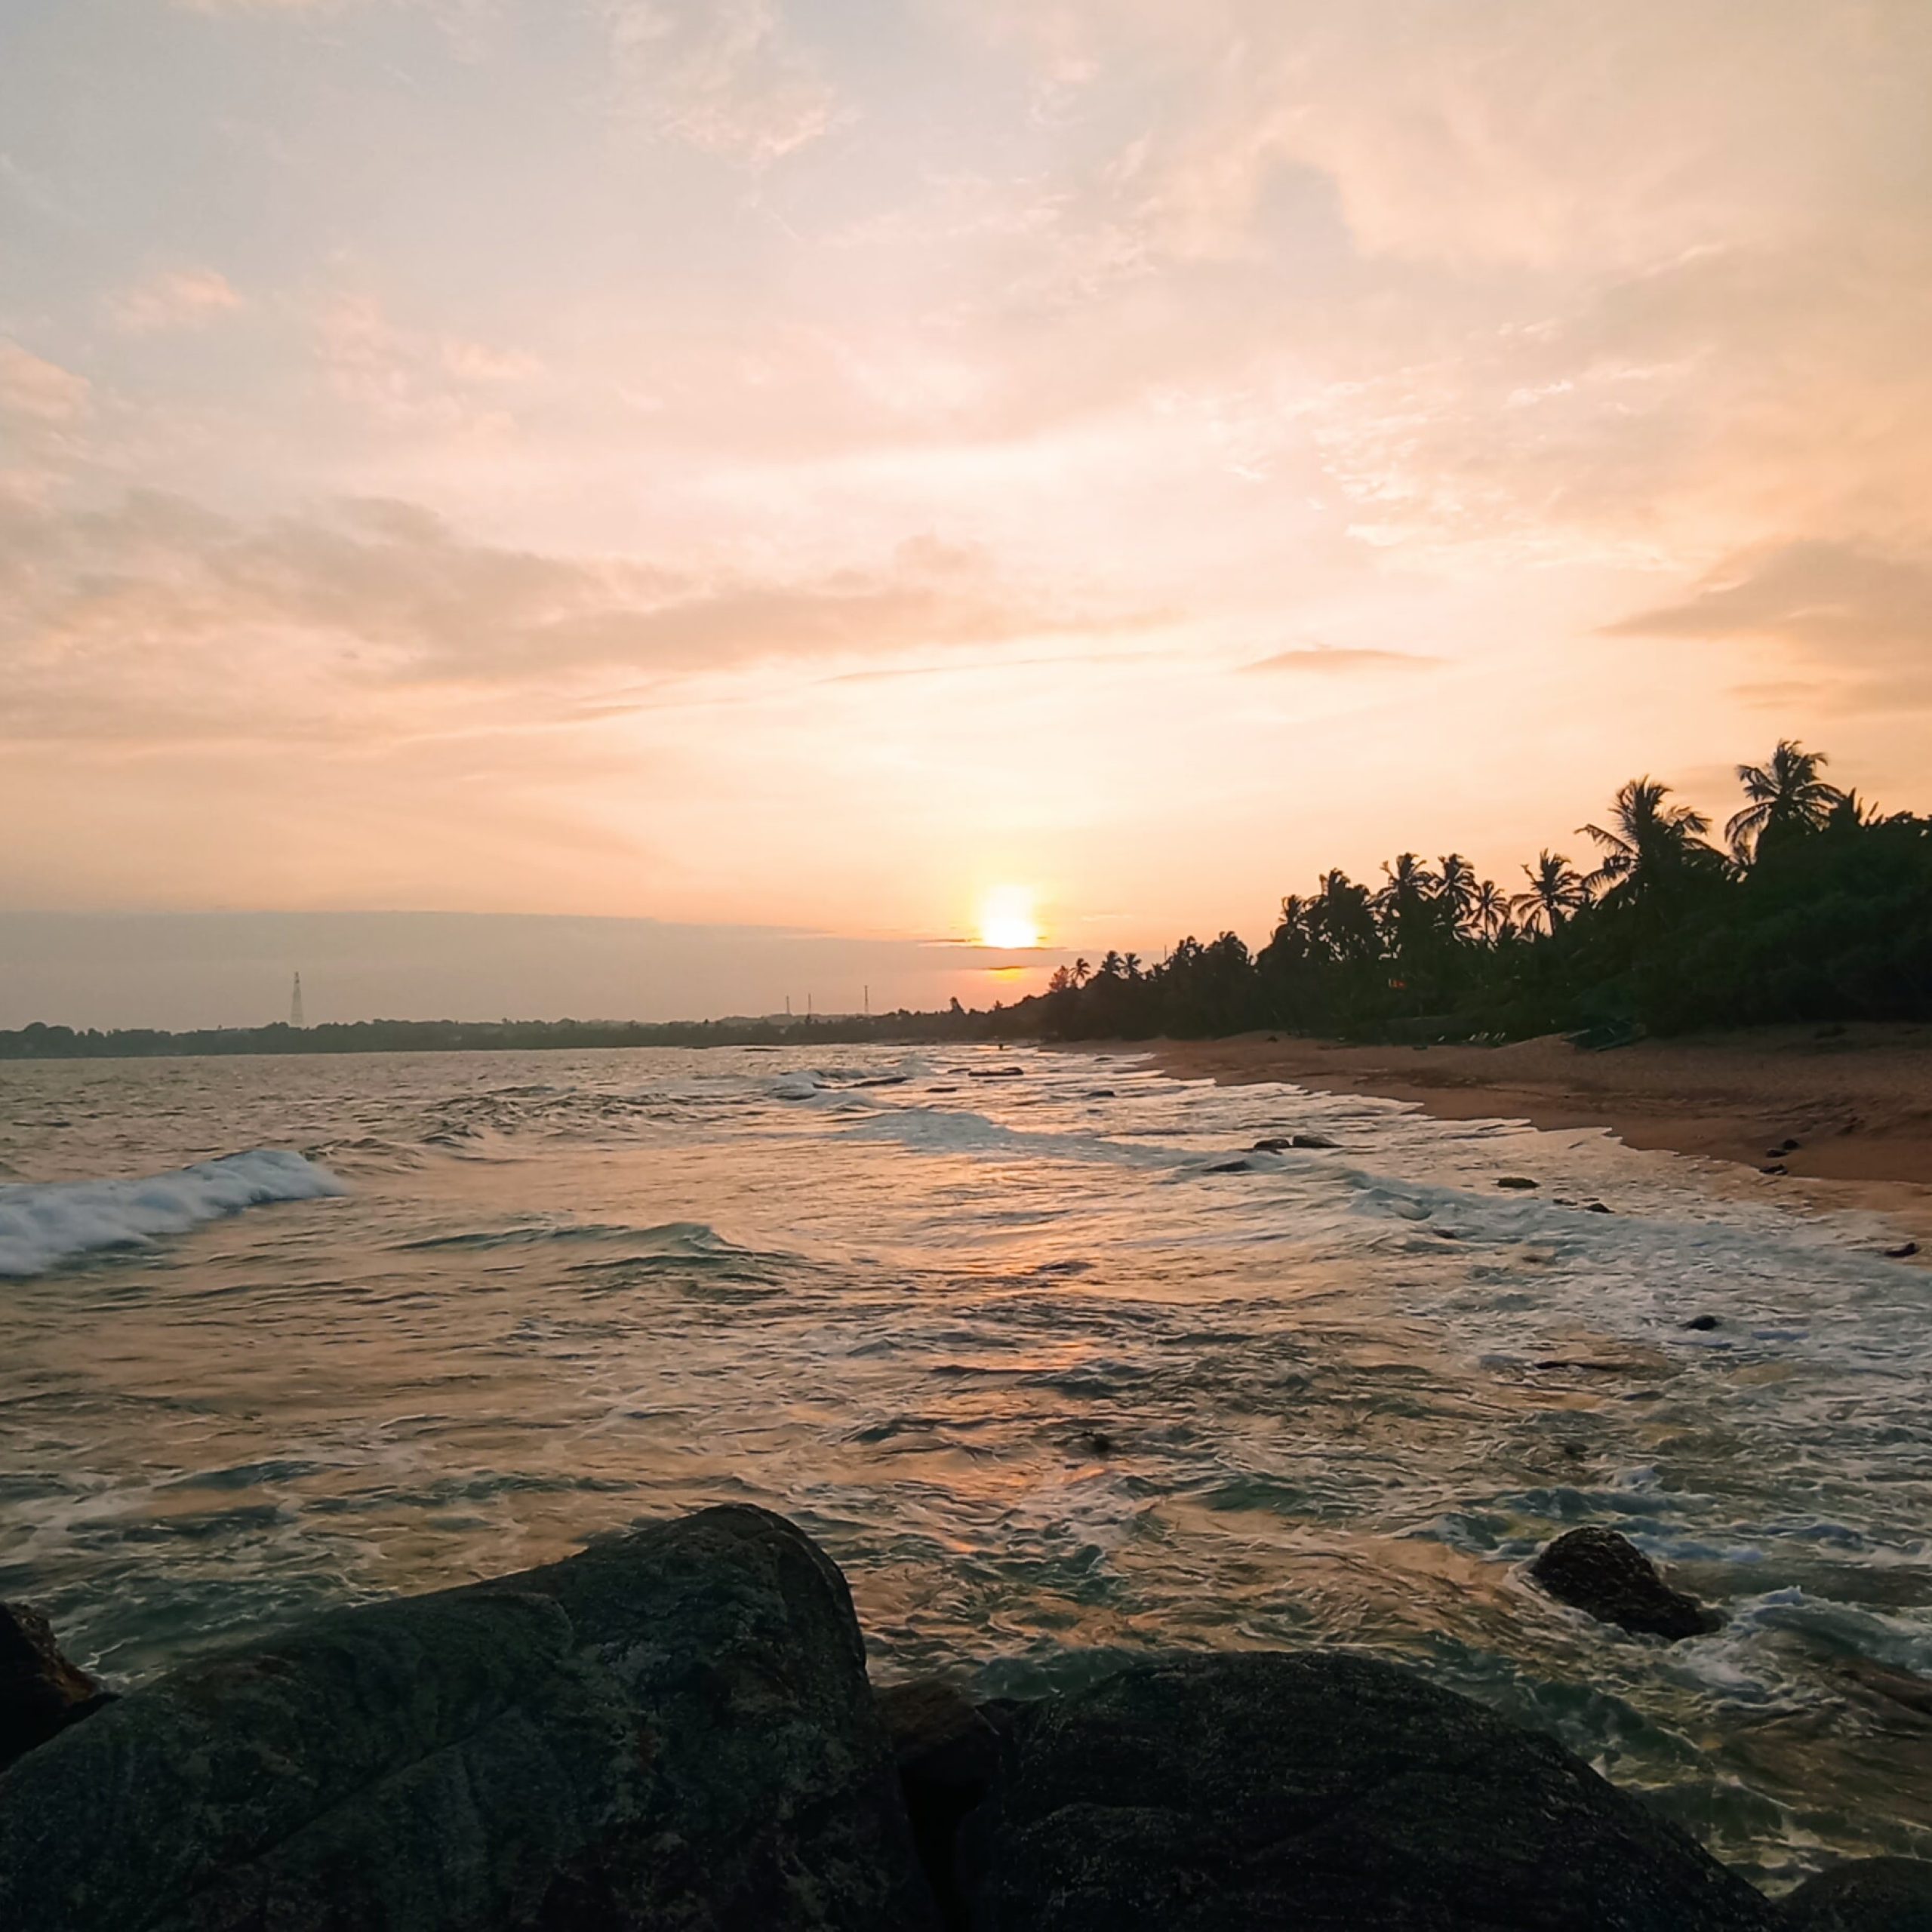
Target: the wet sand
pixel 1857 1101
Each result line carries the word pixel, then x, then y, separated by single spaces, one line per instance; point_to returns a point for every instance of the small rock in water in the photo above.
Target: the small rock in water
pixel 40 1693
pixel 1230 1167
pixel 1597 1570
pixel 1903 1252
pixel 1704 1321
pixel 1516 1181
pixel 1274 1144
pixel 1868 1895
pixel 1790 1146
pixel 1776 1168
pixel 1596 1208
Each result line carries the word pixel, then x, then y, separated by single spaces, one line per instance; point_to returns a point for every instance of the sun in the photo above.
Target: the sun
pixel 1006 920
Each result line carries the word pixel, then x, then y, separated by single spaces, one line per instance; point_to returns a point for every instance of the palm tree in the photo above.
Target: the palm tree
pixel 1132 963
pixel 1489 909
pixel 1344 915
pixel 1557 892
pixel 1650 845
pixel 1456 889
pixel 1787 799
pixel 1407 900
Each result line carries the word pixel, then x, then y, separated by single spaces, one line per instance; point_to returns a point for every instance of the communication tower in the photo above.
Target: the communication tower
pixel 295 1003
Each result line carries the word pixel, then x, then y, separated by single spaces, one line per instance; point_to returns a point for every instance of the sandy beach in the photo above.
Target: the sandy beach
pixel 1856 1100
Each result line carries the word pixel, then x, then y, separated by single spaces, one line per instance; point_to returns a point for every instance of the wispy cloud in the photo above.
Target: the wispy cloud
pixel 34 390
pixel 1326 660
pixel 723 76
pixel 180 299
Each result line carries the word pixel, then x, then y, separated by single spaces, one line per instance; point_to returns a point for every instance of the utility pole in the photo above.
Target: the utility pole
pixel 295 1003
pixel 868 1001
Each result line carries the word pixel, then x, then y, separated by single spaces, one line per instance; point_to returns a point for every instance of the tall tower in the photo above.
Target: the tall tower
pixel 295 1003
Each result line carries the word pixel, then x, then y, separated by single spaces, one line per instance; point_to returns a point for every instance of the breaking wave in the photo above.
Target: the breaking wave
pixel 42 1225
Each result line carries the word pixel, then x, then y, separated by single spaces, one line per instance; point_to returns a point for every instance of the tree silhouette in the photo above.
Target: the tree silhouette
pixel 1650 846
pixel 1787 799
pixel 1557 892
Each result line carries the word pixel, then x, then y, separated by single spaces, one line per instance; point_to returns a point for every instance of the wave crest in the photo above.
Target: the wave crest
pixel 43 1224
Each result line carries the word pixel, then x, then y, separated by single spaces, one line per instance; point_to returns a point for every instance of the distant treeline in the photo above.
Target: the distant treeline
pixel 1817 908
pixel 418 1036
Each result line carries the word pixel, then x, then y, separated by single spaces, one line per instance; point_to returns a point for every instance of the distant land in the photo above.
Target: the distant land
pixel 37 1041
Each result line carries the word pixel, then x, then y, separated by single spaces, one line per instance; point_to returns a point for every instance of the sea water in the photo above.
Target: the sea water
pixel 1055 1368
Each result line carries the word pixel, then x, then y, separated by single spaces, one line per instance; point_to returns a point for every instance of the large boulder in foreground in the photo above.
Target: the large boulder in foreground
pixel 1607 1575
pixel 1869 1895
pixel 672 1729
pixel 1321 1791
pixel 41 1692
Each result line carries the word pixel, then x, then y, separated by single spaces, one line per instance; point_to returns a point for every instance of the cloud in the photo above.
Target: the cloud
pixel 720 75
pixel 425 379
pixel 1329 661
pixel 160 616
pixel 1863 614
pixel 182 299
pixel 35 390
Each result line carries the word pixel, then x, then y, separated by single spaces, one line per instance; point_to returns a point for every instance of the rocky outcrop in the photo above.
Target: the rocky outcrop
pixel 40 1693
pixel 1325 1792
pixel 1869 1895
pixel 948 1750
pixel 1598 1570
pixel 672 1729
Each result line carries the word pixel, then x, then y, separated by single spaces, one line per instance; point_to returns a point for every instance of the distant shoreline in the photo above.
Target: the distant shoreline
pixel 1857 1100
pixel 30 1045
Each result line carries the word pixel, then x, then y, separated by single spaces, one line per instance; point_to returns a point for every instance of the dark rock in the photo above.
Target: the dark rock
pixel 1323 1791
pixel 1232 1168
pixel 1776 1168
pixel 1313 1140
pixel 1789 1146
pixel 673 1728
pixel 40 1693
pixel 1704 1322
pixel 1598 1570
pixel 1903 1252
pixel 947 1751
pixel 1596 1208
pixel 1276 1142
pixel 1869 1895
pixel 1517 1181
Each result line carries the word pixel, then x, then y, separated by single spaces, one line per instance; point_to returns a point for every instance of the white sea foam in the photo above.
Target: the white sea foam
pixel 43 1225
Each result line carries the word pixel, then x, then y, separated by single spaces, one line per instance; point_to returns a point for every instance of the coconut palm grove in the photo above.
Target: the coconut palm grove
pixel 1815 906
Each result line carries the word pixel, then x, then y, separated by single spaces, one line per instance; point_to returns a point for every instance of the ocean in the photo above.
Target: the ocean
pixel 1052 1364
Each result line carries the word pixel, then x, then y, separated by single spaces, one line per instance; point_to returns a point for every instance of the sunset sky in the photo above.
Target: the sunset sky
pixel 813 464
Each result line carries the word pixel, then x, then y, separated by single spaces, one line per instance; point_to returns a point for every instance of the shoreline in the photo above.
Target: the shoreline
pixel 1857 1100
